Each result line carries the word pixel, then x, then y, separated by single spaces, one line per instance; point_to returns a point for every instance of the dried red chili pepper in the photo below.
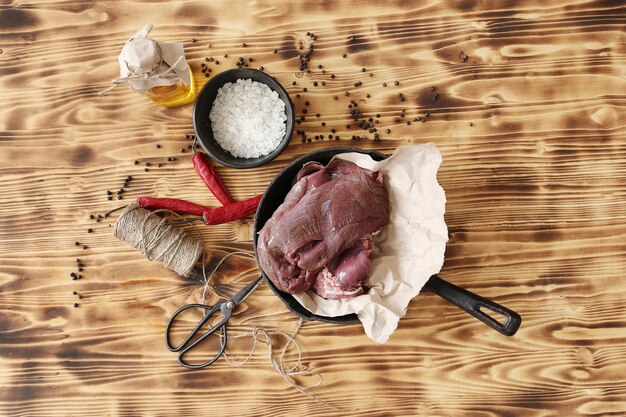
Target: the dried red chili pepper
pixel 207 173
pixel 173 204
pixel 231 212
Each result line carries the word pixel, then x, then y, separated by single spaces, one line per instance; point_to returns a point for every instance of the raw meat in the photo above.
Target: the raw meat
pixel 320 237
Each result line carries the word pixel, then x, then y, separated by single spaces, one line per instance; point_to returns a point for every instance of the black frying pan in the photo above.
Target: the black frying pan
pixel 275 194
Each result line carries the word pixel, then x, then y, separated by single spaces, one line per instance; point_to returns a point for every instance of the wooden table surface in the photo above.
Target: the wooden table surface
pixel 531 127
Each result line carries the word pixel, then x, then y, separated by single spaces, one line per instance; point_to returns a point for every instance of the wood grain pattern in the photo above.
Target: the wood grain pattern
pixel 531 128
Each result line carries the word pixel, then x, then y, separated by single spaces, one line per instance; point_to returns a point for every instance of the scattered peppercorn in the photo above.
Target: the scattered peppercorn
pixel 368 95
pixel 89 230
pixel 75 305
pixel 84 247
pixel 157 146
pixel 344 55
pixel 363 70
pixel 146 169
pixel 332 75
pixel 471 124
pixel 396 83
pixel 74 293
pixel 244 44
pixel 384 84
pixel 275 50
pixel 336 98
pixel 462 56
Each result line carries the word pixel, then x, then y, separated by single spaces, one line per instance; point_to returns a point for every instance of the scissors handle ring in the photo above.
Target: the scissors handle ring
pixel 223 340
pixel 207 316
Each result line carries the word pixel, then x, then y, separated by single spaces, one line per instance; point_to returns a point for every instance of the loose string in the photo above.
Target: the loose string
pixel 263 334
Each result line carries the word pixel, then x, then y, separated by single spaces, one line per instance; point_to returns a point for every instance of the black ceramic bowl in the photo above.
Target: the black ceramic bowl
pixel 274 196
pixel 202 122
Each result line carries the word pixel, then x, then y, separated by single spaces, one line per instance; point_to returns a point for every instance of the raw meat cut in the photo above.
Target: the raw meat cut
pixel 320 237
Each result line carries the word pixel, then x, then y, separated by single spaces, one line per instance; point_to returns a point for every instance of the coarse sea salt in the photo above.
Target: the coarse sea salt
pixel 248 118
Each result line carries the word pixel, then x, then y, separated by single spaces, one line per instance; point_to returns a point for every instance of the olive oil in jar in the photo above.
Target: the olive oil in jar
pixel 173 95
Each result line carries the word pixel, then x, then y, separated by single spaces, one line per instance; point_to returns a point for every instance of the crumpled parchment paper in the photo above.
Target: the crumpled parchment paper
pixel 410 249
pixel 150 63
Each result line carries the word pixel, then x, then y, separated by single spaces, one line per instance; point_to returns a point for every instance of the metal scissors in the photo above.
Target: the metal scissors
pixel 226 308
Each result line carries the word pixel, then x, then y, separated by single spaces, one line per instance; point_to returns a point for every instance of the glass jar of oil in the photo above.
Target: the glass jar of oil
pixel 175 94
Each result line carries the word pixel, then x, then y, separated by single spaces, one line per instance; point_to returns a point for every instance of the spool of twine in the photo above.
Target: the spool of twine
pixel 158 240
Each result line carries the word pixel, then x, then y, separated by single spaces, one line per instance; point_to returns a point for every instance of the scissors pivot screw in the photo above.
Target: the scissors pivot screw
pixel 230 305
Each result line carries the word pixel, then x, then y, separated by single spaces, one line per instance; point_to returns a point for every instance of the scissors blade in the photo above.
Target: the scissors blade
pixel 245 292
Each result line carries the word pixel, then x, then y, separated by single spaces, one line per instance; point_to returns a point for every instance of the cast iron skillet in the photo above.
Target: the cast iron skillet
pixel 275 194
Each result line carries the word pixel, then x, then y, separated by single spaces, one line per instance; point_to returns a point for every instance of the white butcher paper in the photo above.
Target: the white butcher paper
pixel 409 249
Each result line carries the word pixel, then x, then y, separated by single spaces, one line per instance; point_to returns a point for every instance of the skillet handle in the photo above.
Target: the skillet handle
pixel 472 304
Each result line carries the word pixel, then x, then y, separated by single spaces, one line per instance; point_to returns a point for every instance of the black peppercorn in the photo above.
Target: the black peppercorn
pixel 344 55
pixel 244 44
pixel 332 75
pixel 347 93
pixel 318 115
pixel 384 84
pixel 315 83
pixel 323 123
pixel 206 74
pixel 471 124
pixel 109 198
pixel 206 59
pixel 84 247
pixel 304 89
pixel 336 98
pixel 75 305
pixel 293 83
pixel 304 111
pixel 275 50
pixel 368 95
pixel 146 169
pixel 388 131
pixel 89 230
